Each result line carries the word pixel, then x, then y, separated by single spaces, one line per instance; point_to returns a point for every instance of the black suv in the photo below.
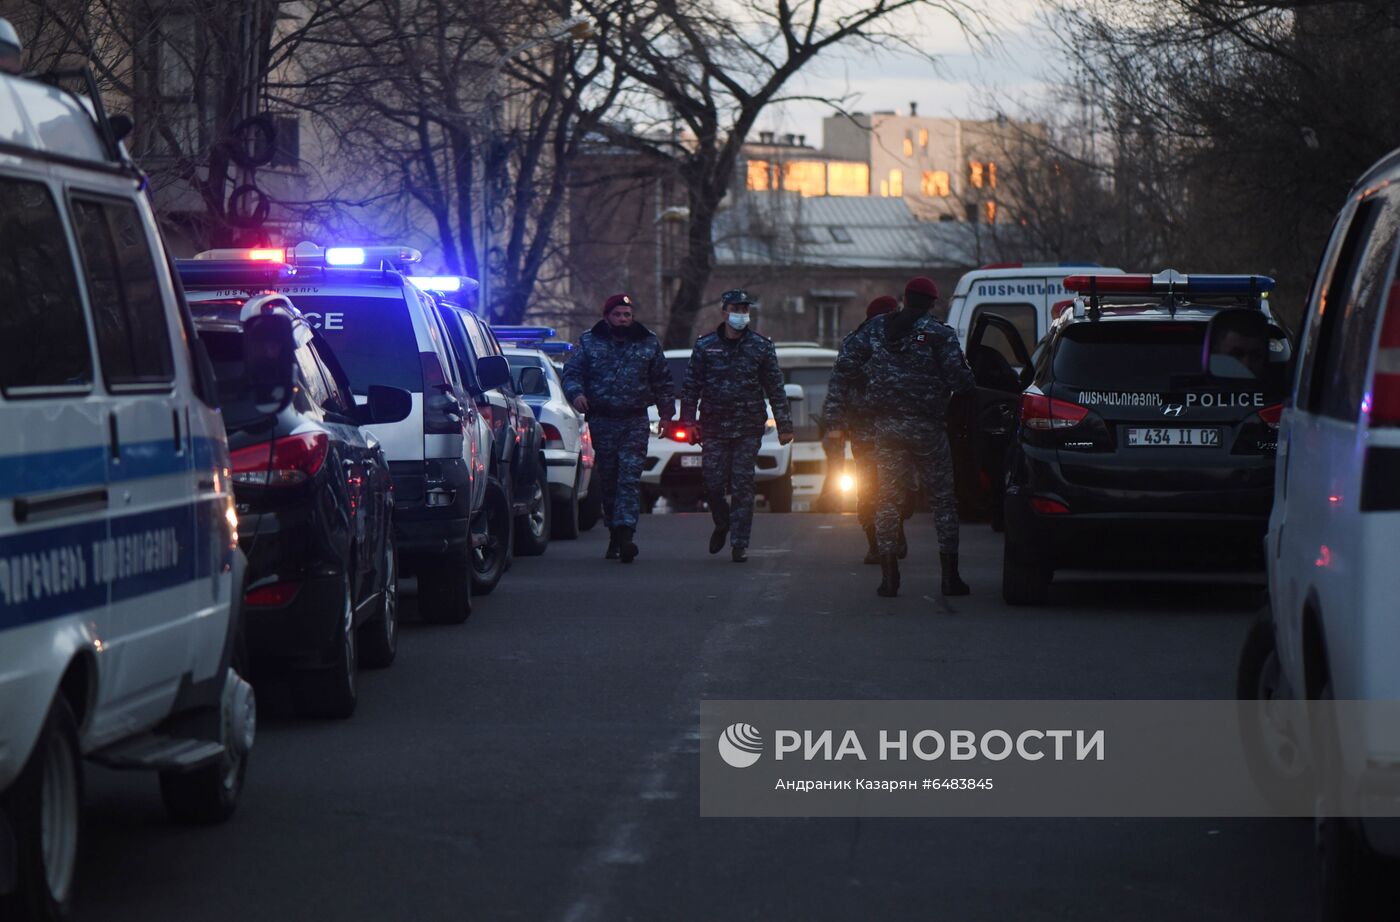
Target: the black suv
pixel 1134 446
pixel 315 509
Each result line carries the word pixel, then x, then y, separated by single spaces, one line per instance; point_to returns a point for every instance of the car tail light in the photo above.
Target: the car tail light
pixel 679 433
pixel 553 438
pixel 1272 415
pixel 1385 383
pixel 1046 413
pixel 288 461
pixel 272 595
pixel 1046 506
pixel 442 414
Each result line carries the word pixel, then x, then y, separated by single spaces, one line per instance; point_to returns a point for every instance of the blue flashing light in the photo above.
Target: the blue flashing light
pixel 523 334
pixel 201 273
pixel 1228 284
pixel 345 256
pixel 445 284
pixel 560 348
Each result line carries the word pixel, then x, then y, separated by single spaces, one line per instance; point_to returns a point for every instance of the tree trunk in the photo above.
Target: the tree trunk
pixel 695 268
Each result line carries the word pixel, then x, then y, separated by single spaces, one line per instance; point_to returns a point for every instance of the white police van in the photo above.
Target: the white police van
pixel 1023 293
pixel 119 568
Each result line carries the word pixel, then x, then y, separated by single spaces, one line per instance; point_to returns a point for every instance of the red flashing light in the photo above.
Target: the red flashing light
pixel 273 595
pixel 680 434
pixel 1046 413
pixel 1110 284
pixel 1046 506
pixel 287 462
pixel 267 255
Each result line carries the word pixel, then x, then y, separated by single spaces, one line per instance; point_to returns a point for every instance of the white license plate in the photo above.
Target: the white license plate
pixel 692 460
pixel 1183 438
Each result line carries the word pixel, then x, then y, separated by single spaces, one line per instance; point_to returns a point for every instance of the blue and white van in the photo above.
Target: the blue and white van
pixel 120 575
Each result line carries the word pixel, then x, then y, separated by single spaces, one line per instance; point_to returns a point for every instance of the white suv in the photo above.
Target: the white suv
pixel 672 467
pixel 1331 633
pixel 120 575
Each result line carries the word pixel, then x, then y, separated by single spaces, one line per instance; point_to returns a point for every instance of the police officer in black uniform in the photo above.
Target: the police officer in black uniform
pixel 731 371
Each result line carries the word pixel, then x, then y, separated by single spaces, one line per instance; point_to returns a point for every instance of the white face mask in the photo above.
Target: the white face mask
pixel 738 321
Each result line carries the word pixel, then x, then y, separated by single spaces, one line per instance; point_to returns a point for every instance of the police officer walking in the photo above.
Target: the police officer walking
pixel 845 416
pixel 731 371
pixel 911 364
pixel 618 371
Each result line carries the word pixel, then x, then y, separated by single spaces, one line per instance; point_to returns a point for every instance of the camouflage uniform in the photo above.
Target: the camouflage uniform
pixel 845 410
pixel 620 379
pixel 907 384
pixel 729 379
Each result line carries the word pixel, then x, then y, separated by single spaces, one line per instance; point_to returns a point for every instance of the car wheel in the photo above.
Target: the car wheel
pixel 210 794
pixel 45 809
pixel 1351 874
pixel 564 517
pixel 445 588
pixel 779 494
pixel 532 529
pixel 379 636
pixel 333 692
pixel 492 540
pixel 590 510
pixel 1276 762
pixel 1025 579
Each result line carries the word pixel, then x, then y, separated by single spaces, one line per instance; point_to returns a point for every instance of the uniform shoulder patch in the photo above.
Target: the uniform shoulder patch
pixel 921 338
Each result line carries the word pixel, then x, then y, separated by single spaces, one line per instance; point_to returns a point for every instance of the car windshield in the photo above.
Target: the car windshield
pixel 1143 356
pixel 372 337
pixel 807 411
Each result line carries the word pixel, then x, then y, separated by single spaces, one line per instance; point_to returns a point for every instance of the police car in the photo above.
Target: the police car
pixel 673 462
pixel 385 329
pixel 1133 445
pixel 120 576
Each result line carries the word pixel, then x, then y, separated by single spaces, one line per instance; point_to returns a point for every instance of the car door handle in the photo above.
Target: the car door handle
pixel 38 508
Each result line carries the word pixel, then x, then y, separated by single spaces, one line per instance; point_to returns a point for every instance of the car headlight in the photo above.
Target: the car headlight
pixel 847 483
pixel 655 427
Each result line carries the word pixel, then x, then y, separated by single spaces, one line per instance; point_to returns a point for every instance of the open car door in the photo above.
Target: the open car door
pixel 983 423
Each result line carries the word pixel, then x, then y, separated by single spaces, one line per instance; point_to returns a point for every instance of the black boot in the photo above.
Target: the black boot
pixel 626 547
pixel 952 582
pixel 889 576
pixel 613 548
pixel 720 510
pixel 901 547
pixel 739 554
pixel 872 551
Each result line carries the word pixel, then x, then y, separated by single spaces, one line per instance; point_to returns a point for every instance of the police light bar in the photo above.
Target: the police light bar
pixel 203 271
pixel 1170 281
pixel 307 253
pixel 245 254
pixel 442 284
pixel 555 348
pixel 523 334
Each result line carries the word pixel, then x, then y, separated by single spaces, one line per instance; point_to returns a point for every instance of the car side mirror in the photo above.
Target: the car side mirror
pixel 532 381
pixel 268 354
pixel 492 371
pixel 794 392
pixel 385 405
pixel 1237 345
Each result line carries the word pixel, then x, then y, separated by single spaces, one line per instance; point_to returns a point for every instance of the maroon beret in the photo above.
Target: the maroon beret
pixel 921 285
pixel 882 305
pixel 616 301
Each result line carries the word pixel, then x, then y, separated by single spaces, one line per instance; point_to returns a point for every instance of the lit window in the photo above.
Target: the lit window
pixel 848 179
pixel 806 177
pixel 991 210
pixel 896 183
pixel 885 188
pixel 923 138
pixel 991 175
pixel 974 173
pixel 934 183
pixel 908 146
pixel 757 179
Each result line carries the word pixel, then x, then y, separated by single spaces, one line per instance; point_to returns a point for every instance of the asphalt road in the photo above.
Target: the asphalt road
pixel 540 761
